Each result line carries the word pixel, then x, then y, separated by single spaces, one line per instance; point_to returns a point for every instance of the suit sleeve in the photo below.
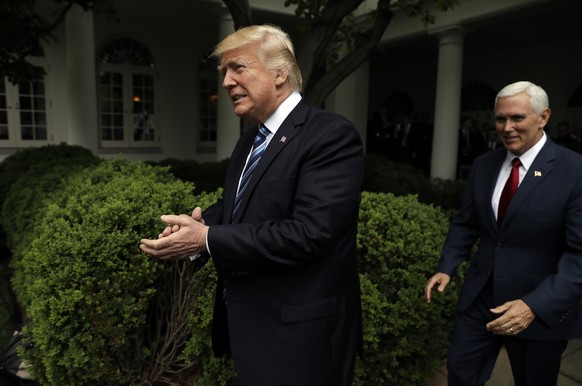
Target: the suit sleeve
pixel 463 233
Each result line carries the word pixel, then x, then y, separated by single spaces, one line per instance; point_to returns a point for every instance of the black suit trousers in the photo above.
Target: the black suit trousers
pixel 474 350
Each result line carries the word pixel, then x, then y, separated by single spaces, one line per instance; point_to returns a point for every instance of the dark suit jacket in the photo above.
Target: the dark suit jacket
pixel 289 262
pixel 536 253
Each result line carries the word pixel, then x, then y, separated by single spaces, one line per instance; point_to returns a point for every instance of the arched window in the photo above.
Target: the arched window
pixel 127 95
pixel 23 108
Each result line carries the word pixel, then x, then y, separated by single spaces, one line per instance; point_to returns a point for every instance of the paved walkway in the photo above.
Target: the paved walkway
pixel 570 372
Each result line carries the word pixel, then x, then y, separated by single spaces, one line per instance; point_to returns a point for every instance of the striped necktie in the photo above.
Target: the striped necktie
pixel 259 145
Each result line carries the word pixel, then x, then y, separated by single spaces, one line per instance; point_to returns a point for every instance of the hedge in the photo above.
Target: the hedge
pixel 102 312
pixel 405 340
pixel 88 291
pixel 27 166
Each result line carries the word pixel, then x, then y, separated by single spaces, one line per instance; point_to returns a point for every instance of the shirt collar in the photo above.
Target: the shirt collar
pixel 276 120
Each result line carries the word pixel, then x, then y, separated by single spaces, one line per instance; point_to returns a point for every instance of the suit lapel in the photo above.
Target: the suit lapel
pixel 538 171
pixel 284 135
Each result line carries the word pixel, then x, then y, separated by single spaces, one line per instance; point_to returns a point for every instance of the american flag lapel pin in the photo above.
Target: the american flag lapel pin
pixel 537 173
pixel 283 139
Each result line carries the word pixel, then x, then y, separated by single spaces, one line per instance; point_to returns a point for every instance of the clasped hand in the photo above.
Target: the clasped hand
pixel 184 236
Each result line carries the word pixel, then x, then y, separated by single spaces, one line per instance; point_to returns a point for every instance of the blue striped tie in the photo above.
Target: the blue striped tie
pixel 259 146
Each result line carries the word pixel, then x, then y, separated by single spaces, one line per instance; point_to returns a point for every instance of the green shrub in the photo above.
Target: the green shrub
pixel 31 164
pixel 381 175
pixel 8 311
pixel 86 286
pixel 208 176
pixel 213 371
pixel 101 312
pixel 399 243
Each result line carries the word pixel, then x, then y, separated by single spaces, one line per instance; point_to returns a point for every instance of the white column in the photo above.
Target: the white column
pixel 448 104
pixel 228 124
pixel 350 98
pixel 81 79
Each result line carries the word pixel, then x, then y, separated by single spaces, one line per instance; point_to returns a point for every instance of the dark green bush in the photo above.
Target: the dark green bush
pixel 101 312
pixel 399 243
pixel 8 311
pixel 381 175
pixel 28 166
pixel 207 176
pixel 86 286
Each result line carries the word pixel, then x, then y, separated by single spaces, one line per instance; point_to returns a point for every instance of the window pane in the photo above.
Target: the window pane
pixel 117 92
pixel 25 118
pixel 26 132
pixel 40 119
pixel 106 134
pixel 39 103
pixel 25 102
pixel 40 133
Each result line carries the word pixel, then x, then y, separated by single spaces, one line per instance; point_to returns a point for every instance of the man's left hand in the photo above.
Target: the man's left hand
pixel 515 317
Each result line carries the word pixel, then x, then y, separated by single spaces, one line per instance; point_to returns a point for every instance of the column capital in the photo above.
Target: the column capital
pixel 450 34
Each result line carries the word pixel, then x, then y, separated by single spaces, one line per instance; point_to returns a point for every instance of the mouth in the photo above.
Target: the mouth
pixel 237 98
pixel 510 139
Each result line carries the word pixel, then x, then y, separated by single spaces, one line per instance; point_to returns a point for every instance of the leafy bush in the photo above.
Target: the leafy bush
pixel 399 243
pixel 28 166
pixel 208 176
pixel 102 312
pixel 86 286
pixel 381 175
pixel 405 340
pixel 8 311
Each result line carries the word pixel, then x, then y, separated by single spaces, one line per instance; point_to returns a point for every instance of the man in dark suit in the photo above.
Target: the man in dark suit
pixel 523 288
pixel 288 303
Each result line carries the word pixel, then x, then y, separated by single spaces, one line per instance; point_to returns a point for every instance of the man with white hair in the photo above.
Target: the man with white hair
pixel 523 288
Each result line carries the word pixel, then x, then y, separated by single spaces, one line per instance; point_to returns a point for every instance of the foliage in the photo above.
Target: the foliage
pixel 208 176
pixel 171 328
pixel 384 176
pixel 399 241
pixel 26 173
pixel 335 36
pixel 399 245
pixel 101 312
pixel 8 311
pixel 214 371
pixel 22 30
pixel 86 287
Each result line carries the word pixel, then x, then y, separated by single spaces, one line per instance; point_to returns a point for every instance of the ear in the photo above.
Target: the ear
pixel 545 117
pixel 281 76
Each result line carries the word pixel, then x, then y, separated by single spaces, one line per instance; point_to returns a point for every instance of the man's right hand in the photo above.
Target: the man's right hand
pixel 442 279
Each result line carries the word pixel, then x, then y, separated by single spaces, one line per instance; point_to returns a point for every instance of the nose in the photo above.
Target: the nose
pixel 228 81
pixel 508 125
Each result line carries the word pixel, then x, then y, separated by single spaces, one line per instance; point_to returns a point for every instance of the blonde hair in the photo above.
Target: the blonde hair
pixel 275 50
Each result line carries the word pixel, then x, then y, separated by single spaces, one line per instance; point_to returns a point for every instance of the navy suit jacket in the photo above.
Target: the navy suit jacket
pixel 536 253
pixel 288 262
